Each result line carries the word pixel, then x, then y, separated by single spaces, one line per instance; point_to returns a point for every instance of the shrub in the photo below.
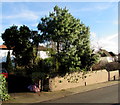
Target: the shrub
pixel 9 66
pixel 113 66
pixel 100 66
pixel 3 89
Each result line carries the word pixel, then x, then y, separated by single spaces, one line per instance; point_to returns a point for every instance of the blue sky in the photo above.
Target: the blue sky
pixel 101 17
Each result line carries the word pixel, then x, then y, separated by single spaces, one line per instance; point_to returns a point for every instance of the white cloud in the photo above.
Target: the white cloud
pixel 34 24
pixel 24 14
pixel 104 6
pixel 115 22
pixel 97 7
pixel 93 34
pixel 109 43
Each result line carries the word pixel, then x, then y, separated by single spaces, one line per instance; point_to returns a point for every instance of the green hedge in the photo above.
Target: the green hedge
pixel 3 89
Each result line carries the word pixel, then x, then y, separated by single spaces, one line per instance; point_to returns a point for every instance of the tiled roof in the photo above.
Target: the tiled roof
pixel 41 48
pixel 112 54
pixel 104 53
pixel 3 46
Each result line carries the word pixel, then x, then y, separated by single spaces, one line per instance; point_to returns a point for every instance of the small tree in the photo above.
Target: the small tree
pixel 3 90
pixel 9 66
pixel 41 71
pixel 23 42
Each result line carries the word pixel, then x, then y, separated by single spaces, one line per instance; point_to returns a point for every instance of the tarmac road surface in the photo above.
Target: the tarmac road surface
pixel 107 94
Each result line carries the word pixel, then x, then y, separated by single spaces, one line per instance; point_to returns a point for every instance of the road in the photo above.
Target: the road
pixel 103 95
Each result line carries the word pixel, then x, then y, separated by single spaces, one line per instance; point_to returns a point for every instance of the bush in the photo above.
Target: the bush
pixel 113 66
pixel 42 69
pixel 100 66
pixel 3 89
pixel 20 71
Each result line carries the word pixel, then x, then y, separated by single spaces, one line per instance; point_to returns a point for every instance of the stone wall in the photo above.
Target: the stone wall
pixel 79 79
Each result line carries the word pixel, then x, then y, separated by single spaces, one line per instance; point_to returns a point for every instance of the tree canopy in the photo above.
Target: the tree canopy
pixel 67 39
pixel 23 43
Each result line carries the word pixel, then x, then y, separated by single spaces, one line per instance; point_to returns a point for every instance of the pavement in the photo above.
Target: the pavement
pixel 29 97
pixel 107 94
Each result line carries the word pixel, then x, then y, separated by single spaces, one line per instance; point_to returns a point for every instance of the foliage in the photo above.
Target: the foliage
pixel 69 39
pixel 23 42
pixel 42 69
pixel 111 66
pixel 21 71
pixel 9 66
pixel 3 65
pixel 3 90
pixel 100 65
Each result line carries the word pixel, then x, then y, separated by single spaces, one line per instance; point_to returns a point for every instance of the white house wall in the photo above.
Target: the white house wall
pixel 110 59
pixel 107 59
pixel 3 55
pixel 43 54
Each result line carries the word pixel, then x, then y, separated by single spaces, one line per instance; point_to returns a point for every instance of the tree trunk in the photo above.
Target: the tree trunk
pixel 41 85
pixel 57 47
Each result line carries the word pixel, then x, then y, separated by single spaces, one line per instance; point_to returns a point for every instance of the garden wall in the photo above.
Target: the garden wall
pixel 78 79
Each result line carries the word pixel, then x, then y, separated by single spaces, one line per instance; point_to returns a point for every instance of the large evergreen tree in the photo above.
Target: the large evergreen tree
pixel 69 39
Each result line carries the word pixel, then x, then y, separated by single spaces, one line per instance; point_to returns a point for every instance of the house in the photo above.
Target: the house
pixel 114 56
pixel 3 53
pixel 105 58
pixel 42 53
